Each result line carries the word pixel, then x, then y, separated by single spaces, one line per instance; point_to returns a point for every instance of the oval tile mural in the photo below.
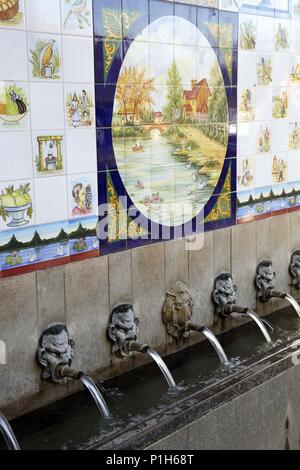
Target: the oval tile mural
pixel 170 121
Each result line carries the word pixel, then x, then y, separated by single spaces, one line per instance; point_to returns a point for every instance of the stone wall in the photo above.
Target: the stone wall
pixel 83 294
pixel 247 422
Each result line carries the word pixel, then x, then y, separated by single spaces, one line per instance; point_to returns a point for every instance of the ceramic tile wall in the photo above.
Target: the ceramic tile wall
pixel 166 92
pixel 268 174
pixel 48 163
pixel 189 108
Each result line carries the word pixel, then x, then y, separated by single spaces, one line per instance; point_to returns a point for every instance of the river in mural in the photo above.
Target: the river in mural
pixel 170 122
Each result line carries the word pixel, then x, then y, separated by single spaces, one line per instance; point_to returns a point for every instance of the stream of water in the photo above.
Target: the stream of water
pixel 159 183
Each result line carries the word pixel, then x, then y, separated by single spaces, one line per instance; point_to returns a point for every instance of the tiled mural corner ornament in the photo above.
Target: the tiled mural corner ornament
pixel 166 114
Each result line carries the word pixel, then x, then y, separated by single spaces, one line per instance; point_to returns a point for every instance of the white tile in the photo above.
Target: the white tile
pixel 263 170
pixel 17 199
pixel 82 195
pixel 279 135
pixel 79 105
pixel 246 138
pixel 295 47
pixel 44 57
pixel 43 16
pixel 294 166
pixel 13 53
pixel 263 103
pixel 14 106
pixel 294 103
pixel 78 59
pixel 282 65
pixel 17 21
pixel 265 33
pixel 81 150
pixel 15 156
pixel 51 199
pixel 49 153
pixel 247 68
pixel 47 111
pixel 77 19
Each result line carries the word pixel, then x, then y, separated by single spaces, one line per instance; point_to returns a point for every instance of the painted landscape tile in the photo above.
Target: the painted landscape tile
pixel 173 118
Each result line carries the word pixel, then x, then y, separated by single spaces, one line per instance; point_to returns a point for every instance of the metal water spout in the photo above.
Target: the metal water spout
pixel 55 354
pixel 122 331
pixel 177 314
pixel 224 300
pixel 8 434
pixel 265 283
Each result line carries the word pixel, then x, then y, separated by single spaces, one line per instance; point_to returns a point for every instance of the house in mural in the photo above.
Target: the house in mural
pixel 50 158
pixel 158 117
pixel 196 100
pixel 129 115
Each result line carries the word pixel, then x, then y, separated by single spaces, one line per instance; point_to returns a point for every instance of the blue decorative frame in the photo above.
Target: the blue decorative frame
pixel 105 87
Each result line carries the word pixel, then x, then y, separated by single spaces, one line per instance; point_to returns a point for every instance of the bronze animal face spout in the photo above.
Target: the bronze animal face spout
pixel 224 294
pixel 55 350
pixel 265 280
pixel 294 269
pixel 123 328
pixel 177 310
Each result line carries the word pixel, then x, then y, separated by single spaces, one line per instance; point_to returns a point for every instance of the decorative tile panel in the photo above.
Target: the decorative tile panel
pixel 180 115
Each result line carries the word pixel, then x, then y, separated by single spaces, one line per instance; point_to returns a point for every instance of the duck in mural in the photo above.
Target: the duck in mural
pixel 60 251
pixel 47 57
pixel 32 257
pixel 140 185
pixel 77 9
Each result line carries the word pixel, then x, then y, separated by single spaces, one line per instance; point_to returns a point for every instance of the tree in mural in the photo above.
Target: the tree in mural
pixel 217 108
pixel 134 94
pixel 173 110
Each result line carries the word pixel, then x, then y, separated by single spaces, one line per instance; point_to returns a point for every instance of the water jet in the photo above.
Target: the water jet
pixel 224 300
pixel 122 331
pixel 8 434
pixel 177 314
